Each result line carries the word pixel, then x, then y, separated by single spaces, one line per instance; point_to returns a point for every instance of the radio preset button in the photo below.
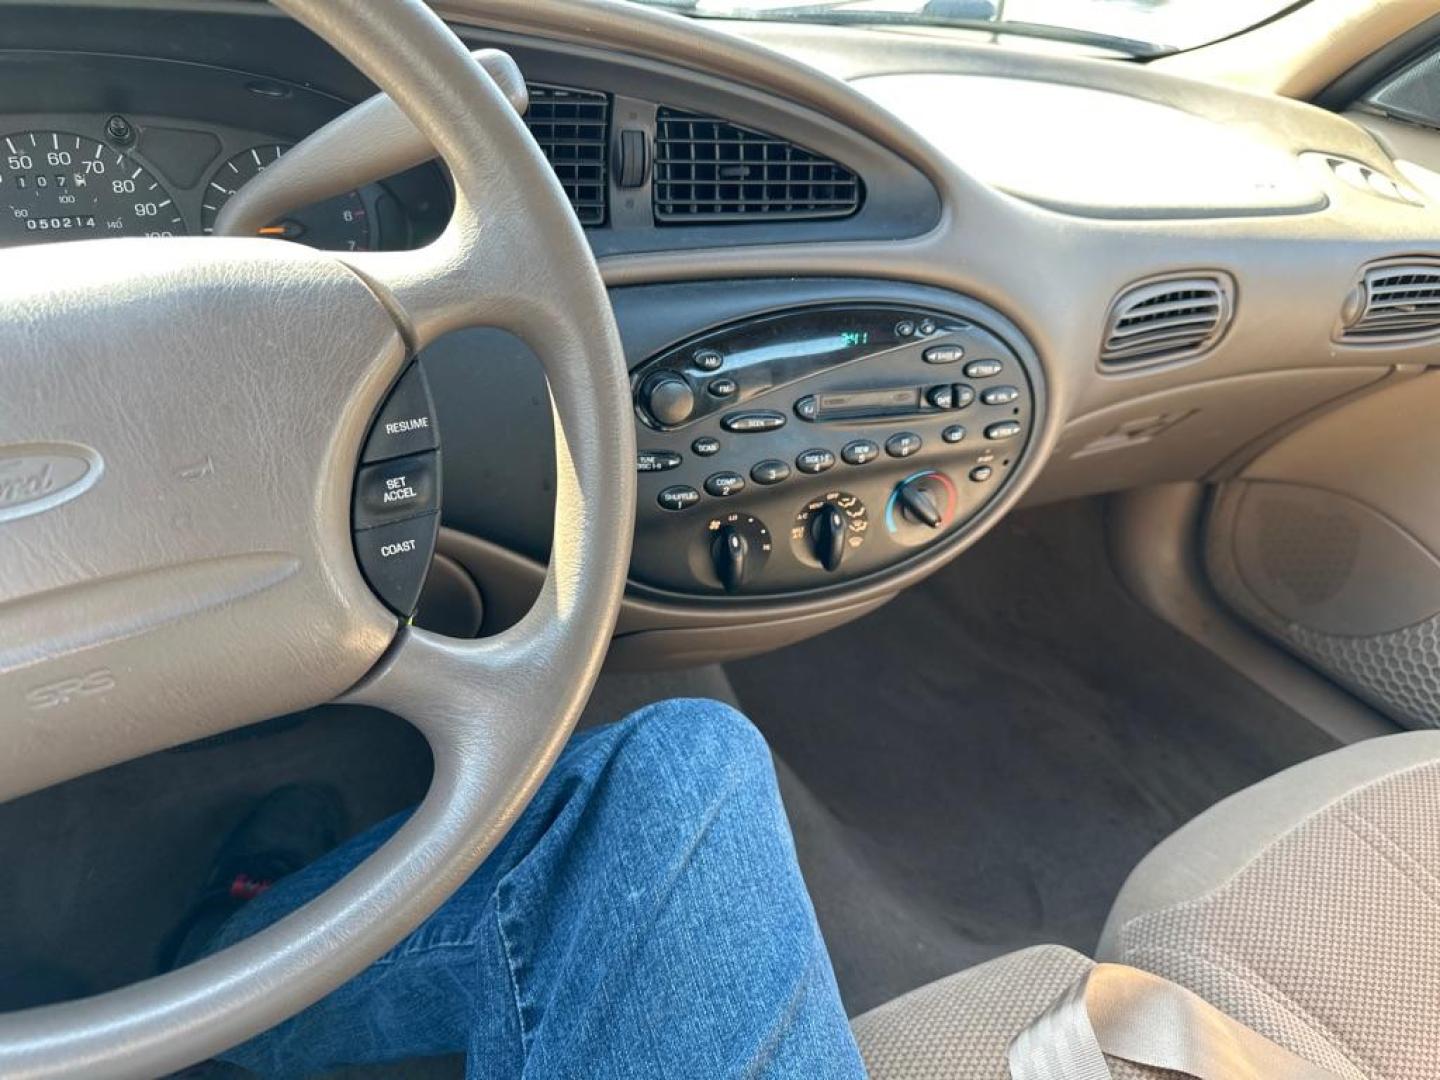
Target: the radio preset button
pixel 708 360
pixel 815 461
pixel 724 484
pixel 983 369
pixel 679 497
pixel 746 423
pixel 999 395
pixel 903 444
pixel 859 452
pixel 954 433
pixel 706 446
pixel 943 354
pixel 657 461
pixel 771 471
pixel 1005 429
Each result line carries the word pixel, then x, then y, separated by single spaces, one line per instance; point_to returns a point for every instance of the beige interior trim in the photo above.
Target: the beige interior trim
pixel 1302 53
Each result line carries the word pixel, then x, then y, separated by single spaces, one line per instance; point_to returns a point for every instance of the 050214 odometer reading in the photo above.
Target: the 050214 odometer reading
pixel 58 186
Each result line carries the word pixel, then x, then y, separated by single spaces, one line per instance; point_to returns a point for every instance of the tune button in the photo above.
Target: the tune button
pixel 708 360
pixel 954 433
pixel 771 471
pixel 943 354
pixel 859 452
pixel 657 461
pixel 706 446
pixel 723 387
pixel 1005 429
pixel 678 497
pixel 746 423
pixel 983 369
pixel 999 395
pixel 903 444
pixel 815 461
pixel 724 484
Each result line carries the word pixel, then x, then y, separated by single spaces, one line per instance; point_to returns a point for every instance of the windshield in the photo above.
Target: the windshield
pixel 1140 27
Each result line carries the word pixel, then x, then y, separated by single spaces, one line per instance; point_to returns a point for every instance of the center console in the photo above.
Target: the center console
pixel 819 444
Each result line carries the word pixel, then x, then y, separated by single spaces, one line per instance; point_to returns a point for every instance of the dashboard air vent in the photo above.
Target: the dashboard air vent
pixel 1167 319
pixel 1394 301
pixel 709 170
pixel 573 129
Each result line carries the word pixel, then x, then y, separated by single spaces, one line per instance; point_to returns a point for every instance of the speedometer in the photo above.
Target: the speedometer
pixel 58 186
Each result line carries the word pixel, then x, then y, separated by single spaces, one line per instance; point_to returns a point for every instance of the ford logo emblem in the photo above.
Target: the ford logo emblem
pixel 40 476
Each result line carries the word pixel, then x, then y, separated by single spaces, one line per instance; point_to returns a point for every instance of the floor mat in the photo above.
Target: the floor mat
pixel 978 765
pixel 98 870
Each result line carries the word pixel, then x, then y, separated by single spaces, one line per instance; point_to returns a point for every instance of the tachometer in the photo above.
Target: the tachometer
pixel 58 186
pixel 338 224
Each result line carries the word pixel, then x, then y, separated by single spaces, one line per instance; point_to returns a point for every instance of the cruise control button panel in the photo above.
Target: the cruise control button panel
pixel 797 421
pixel 395 506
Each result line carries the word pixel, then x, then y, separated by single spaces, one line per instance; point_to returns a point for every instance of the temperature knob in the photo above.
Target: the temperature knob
pixel 920 506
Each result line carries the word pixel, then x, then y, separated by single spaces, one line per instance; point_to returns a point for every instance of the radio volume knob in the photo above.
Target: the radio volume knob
pixel 668 398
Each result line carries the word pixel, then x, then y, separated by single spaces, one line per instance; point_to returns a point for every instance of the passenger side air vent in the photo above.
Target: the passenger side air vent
pixel 1394 301
pixel 709 170
pixel 1167 319
pixel 573 129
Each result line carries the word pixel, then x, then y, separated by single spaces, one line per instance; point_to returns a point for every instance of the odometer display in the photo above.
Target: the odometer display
pixel 58 186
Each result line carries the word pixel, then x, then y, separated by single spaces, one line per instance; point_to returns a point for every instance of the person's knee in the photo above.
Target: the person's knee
pixel 707 748
pixel 699 730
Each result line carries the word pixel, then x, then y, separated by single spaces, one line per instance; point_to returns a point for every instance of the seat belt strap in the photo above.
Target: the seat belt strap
pixel 1126 1013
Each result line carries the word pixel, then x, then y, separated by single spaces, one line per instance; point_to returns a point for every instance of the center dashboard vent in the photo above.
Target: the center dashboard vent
pixel 710 170
pixel 1166 319
pixel 573 129
pixel 1397 300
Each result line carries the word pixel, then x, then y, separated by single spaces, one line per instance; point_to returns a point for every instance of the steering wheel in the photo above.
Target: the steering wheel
pixel 197 408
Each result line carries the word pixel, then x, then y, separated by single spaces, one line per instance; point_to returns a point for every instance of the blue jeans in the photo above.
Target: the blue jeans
pixel 645 917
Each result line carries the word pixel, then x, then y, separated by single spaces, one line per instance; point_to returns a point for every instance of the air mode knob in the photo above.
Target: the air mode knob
pixel 668 398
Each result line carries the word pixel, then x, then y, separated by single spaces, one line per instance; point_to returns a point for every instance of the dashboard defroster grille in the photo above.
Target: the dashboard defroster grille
pixel 708 169
pixel 573 129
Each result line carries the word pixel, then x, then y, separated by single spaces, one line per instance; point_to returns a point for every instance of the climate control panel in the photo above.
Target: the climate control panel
pixel 820 444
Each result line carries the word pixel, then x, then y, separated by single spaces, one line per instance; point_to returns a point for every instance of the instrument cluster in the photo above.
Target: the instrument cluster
pixel 89 176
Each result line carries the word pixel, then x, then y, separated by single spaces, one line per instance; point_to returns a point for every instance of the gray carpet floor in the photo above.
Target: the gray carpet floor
pixel 976 766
